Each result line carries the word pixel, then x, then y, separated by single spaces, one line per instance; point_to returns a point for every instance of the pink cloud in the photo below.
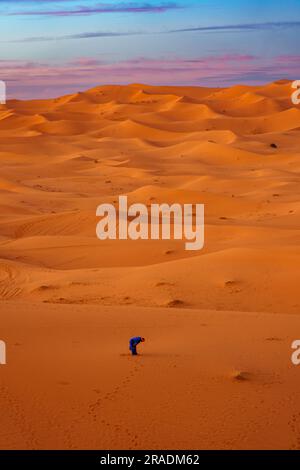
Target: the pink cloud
pixel 32 80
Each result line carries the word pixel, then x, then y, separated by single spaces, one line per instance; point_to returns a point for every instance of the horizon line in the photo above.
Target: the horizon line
pixel 238 84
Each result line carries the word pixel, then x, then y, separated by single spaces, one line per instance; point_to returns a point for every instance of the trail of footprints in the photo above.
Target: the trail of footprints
pixel 110 396
pixel 94 409
pixel 24 430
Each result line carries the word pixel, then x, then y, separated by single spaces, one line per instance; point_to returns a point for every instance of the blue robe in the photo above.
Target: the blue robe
pixel 133 344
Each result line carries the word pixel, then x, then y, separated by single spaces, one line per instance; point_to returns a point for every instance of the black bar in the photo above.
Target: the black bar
pixel 143 458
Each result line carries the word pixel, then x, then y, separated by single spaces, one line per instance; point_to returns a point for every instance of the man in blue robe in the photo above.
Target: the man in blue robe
pixel 133 344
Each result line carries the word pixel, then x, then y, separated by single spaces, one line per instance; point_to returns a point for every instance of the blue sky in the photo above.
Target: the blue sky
pixel 50 47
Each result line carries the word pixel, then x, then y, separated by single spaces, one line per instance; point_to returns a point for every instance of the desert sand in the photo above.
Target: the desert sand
pixel 215 371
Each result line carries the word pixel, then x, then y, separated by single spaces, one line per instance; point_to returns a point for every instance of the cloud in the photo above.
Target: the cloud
pixel 99 8
pixel 240 27
pixel 84 35
pixel 37 79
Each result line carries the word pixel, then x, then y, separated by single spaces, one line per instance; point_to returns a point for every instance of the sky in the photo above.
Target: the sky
pixel 53 47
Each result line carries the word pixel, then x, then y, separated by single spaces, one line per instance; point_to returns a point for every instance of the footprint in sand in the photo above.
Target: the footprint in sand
pixel 232 285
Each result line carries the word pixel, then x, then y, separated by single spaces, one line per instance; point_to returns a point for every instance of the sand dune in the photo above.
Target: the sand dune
pixel 219 323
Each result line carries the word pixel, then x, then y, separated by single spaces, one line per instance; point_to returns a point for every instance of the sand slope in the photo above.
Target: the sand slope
pixel 205 380
pixel 237 151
